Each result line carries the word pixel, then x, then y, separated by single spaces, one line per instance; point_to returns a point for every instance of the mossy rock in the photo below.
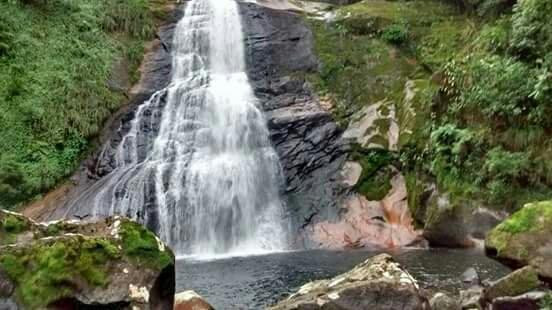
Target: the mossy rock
pixel 445 223
pixel 525 238
pixel 108 262
pixel 516 283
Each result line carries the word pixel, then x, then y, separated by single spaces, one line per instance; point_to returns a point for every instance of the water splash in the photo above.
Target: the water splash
pixel 207 169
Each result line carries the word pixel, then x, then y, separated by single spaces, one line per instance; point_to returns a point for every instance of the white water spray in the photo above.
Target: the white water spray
pixel 209 169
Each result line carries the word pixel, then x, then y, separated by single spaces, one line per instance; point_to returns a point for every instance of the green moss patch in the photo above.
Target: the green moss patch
pixel 48 270
pixel 375 181
pixel 10 226
pixel 521 233
pixel 143 246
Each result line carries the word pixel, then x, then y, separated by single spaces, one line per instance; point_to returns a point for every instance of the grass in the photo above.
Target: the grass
pixel 55 60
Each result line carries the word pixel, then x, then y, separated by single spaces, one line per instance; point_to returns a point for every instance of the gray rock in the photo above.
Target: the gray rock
pixel 441 301
pixel 190 300
pixel 471 276
pixel 307 140
pixel 518 282
pixel 378 283
pixel 470 298
pixel 528 301
pixel 458 223
pixel 6 286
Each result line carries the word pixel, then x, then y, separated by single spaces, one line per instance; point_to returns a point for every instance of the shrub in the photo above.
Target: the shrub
pixel 395 34
pixel 532 30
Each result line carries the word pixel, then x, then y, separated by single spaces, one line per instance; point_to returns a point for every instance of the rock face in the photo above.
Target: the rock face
pixel 113 263
pixel 378 283
pixel 524 239
pixel 280 53
pixel 386 223
pixel 190 300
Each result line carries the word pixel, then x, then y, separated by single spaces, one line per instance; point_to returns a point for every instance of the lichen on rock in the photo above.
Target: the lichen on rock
pixel 377 283
pixel 84 263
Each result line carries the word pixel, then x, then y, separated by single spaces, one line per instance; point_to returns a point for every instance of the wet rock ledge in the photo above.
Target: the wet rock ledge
pixel 109 264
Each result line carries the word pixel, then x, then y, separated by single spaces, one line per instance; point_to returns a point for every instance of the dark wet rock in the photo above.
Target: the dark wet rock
pixel 471 276
pixel 524 239
pixel 378 283
pixel 528 301
pixel 516 283
pixel 111 264
pixel 457 223
pixel 441 301
pixel 190 300
pixel 308 141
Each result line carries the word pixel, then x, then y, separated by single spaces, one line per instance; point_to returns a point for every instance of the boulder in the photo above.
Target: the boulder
pixel 471 276
pixel 528 301
pixel 441 301
pixel 518 282
pixel 190 300
pixel 109 263
pixel 470 298
pixel 377 283
pixel 459 223
pixel 524 239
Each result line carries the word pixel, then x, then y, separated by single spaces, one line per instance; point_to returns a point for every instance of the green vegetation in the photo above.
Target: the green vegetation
pixel 47 269
pixel 375 180
pixel 546 302
pixel 56 58
pixel 517 236
pixel 10 226
pixel 46 272
pixel 142 245
pixel 533 216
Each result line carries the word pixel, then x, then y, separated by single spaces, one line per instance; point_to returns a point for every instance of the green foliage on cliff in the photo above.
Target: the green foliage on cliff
pixel 483 134
pixel 56 58
pixel 500 91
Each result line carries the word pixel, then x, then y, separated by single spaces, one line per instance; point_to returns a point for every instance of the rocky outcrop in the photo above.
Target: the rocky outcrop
pixel 524 239
pixel 190 300
pixel 308 141
pixel 457 223
pixel 113 263
pixel 378 283
pixel 386 223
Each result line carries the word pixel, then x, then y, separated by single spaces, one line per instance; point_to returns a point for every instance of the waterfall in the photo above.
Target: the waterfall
pixel 208 168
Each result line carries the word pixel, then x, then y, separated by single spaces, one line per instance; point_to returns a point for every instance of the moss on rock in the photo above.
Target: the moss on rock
pixel 523 238
pixel 65 259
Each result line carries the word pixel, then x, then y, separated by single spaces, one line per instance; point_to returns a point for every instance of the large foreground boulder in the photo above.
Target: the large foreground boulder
pixel 378 283
pixel 190 300
pixel 109 264
pixel 525 239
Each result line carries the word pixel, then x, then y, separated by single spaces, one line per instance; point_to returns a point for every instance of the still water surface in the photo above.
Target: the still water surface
pixel 254 282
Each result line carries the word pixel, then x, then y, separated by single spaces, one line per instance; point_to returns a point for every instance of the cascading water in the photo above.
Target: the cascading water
pixel 209 167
